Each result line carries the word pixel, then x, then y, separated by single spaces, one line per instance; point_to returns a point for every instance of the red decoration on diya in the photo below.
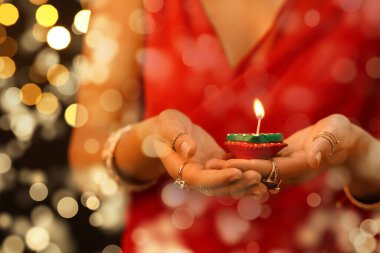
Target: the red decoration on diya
pixel 255 145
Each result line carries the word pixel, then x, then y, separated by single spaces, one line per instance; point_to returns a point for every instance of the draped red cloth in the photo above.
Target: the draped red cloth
pixel 318 58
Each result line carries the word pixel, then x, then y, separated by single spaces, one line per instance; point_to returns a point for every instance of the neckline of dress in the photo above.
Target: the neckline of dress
pixel 247 57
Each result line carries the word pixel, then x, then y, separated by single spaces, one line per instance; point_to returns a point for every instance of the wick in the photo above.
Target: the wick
pixel 258 126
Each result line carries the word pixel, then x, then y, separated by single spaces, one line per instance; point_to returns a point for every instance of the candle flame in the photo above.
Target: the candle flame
pixel 258 108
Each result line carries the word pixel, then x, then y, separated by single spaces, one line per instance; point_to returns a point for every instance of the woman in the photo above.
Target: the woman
pixel 184 74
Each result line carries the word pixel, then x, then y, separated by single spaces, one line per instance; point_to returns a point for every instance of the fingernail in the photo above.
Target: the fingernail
pixel 185 148
pixel 318 156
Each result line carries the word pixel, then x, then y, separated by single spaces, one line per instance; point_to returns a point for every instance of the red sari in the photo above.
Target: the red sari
pixel 318 59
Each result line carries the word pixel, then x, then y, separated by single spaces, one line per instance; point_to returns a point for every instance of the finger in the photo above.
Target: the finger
pixel 212 178
pixel 238 188
pixel 184 144
pixel 289 168
pixel 258 190
pixel 261 166
pixel 330 138
pixel 194 174
pixel 215 164
pixel 177 130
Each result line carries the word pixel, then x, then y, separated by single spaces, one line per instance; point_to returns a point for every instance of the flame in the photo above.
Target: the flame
pixel 258 108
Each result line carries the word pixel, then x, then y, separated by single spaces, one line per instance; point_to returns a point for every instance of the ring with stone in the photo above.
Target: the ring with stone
pixel 272 181
pixel 179 180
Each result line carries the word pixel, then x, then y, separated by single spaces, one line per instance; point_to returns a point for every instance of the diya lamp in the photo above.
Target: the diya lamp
pixel 255 145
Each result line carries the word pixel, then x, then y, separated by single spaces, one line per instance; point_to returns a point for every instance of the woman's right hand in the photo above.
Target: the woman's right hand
pixel 176 139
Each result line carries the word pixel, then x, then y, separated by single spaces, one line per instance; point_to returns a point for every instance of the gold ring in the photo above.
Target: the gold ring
pixel 330 138
pixel 182 184
pixel 176 138
pixel 272 181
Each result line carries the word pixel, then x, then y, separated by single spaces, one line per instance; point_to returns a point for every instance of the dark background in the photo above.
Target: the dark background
pixel 43 155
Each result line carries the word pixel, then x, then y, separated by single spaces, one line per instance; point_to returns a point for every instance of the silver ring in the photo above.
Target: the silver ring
pixel 204 190
pixel 182 184
pixel 272 181
pixel 176 138
pixel 330 138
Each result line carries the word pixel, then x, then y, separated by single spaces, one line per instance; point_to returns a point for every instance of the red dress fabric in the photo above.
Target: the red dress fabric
pixel 318 58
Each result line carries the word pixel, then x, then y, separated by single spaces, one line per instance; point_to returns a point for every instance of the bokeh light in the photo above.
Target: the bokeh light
pixel 48 104
pixel 112 249
pixel 81 20
pixel 5 163
pixel 37 83
pixel 23 126
pixel 8 14
pixel 76 115
pixel 13 244
pixel 7 67
pixel 38 191
pixel 5 221
pixel 91 146
pixel 182 218
pixel 58 37
pixel 67 207
pixel 111 100
pixel 373 67
pixel 93 203
pixel 96 219
pixel 46 15
pixel 58 74
pixel 40 33
pixel 38 2
pixel 37 238
pixel 30 94
pixel 12 96
pixel 314 199
pixel 42 216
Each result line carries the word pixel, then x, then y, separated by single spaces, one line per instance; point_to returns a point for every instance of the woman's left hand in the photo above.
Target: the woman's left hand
pixel 310 151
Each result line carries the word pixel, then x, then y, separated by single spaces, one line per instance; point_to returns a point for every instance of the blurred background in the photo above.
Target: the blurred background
pixel 41 210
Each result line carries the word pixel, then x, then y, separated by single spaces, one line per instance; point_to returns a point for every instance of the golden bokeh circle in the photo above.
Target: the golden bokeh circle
pixel 46 15
pixel 48 104
pixel 30 94
pixel 76 115
pixel 58 75
pixel 8 14
pixel 7 67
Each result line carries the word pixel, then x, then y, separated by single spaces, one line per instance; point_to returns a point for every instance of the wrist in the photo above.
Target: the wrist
pixel 363 167
pixel 125 160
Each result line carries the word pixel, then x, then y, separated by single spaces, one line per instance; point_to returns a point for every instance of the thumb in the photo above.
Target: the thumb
pixel 177 129
pixel 184 144
pixel 322 147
